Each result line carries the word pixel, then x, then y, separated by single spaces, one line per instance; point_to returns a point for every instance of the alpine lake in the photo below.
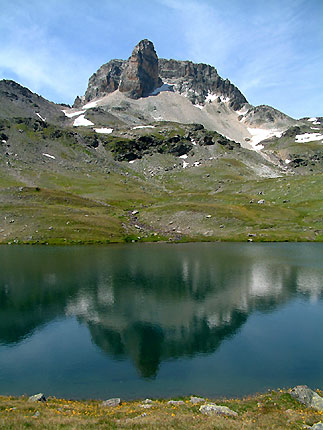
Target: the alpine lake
pixel 160 320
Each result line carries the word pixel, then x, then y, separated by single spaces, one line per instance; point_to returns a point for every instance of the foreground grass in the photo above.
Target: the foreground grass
pixel 273 410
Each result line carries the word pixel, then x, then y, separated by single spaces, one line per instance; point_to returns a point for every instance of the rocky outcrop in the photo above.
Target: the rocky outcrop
pixel 140 75
pixel 213 409
pixel 257 115
pixel 111 403
pixel 196 400
pixel 104 81
pixel 37 398
pixel 308 397
pixel 199 82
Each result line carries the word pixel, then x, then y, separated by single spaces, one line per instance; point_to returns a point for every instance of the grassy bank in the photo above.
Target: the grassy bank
pixel 273 410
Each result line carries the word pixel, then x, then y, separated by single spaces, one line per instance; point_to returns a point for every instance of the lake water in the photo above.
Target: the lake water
pixel 159 320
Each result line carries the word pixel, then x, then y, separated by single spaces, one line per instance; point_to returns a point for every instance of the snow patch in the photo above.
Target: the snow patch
pixel 164 87
pixel 199 106
pixel 193 142
pixel 183 156
pixel 259 134
pixel 143 126
pixel 81 120
pixel 315 128
pixel 211 97
pixel 287 161
pixel 71 114
pixel 91 105
pixel 3 141
pixel 242 112
pixel 308 137
pixel 314 121
pixel 104 130
pixel 131 161
pixel 49 156
pixel 185 164
pixel 39 116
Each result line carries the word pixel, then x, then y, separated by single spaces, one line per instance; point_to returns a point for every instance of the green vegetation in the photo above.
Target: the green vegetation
pixel 80 193
pixel 275 410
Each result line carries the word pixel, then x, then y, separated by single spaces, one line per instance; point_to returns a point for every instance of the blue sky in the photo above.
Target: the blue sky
pixel 271 49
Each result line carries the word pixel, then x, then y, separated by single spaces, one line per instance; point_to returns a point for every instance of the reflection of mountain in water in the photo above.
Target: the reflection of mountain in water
pixel 153 303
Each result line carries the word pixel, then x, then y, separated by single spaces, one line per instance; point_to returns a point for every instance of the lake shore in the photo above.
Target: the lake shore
pixel 275 410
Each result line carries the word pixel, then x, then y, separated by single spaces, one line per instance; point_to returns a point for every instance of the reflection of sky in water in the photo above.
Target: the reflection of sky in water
pixel 156 304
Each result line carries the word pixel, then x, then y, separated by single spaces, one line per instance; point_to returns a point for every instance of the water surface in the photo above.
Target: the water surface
pixel 159 320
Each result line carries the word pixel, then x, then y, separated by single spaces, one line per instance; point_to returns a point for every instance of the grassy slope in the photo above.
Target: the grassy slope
pixel 275 410
pixel 85 196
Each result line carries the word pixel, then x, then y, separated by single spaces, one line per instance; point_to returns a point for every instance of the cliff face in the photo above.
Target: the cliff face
pixel 140 75
pixel 105 80
pixel 199 82
pixel 143 73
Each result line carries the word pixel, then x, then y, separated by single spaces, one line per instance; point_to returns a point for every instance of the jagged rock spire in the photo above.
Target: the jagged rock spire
pixel 140 75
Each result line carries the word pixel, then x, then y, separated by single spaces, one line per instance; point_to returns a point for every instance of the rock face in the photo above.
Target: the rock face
pixel 140 75
pixel 308 397
pixel 143 72
pixel 104 81
pixel 199 82
pixel 213 409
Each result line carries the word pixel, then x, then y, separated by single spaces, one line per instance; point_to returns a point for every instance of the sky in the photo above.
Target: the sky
pixel 272 50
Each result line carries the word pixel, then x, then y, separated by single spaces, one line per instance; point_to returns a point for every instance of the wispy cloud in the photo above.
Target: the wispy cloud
pixel 257 44
pixel 40 61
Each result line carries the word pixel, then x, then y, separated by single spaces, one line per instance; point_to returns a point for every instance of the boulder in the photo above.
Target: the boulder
pixel 308 397
pixel 196 400
pixel 140 75
pixel 213 409
pixel 111 402
pixel 37 398
pixel 176 402
pixel 317 426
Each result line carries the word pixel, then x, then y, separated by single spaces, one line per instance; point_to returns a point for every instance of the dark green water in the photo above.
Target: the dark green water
pixel 159 320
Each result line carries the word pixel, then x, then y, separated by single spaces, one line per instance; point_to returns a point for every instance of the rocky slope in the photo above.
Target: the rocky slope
pixel 18 101
pixel 145 88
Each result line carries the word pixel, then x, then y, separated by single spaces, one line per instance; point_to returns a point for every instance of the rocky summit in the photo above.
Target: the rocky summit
pixel 144 74
pixel 140 75
pixel 156 149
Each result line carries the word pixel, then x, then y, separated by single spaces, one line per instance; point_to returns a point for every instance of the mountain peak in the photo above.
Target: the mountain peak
pixel 140 75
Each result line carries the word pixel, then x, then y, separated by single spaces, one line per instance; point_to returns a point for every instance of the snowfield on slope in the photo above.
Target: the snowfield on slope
pixel 72 114
pixel 308 137
pixel 81 120
pixel 259 134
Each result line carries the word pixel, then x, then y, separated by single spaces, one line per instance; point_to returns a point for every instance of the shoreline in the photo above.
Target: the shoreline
pixel 124 242
pixel 275 409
